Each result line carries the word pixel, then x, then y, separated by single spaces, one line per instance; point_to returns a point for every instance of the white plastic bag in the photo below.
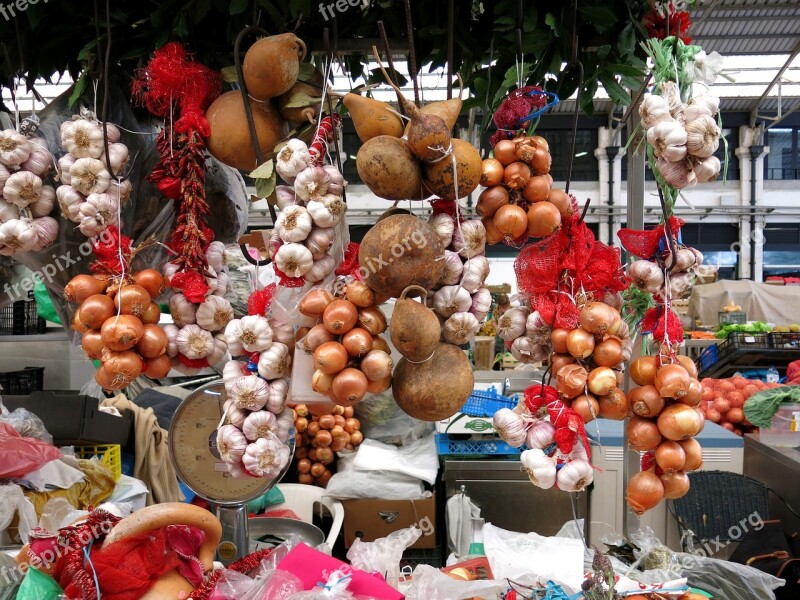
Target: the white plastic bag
pixel 13 501
pixel 384 554
pixel 529 558
pixel 428 583
pixel 349 482
pixel 417 459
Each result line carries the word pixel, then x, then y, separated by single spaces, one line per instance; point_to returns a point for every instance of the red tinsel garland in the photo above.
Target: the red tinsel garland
pixel 519 104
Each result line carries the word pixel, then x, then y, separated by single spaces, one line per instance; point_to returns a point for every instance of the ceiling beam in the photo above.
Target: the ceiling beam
pixel 743 7
pixel 775 80
pixel 725 36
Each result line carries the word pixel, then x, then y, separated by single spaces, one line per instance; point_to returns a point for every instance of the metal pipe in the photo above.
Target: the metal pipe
pixel 755 153
pixel 611 153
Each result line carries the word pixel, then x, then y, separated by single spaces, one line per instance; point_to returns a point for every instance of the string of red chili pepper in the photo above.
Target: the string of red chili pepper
pixel 322 137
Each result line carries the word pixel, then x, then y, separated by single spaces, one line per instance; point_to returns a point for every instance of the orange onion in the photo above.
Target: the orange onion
pixel 672 381
pixel 643 434
pixel 644 492
pixel 315 337
pixel 351 425
pixel 158 367
pixel 151 280
pixel 127 363
pixel 688 364
pixel 543 219
pixel 323 439
pixel 614 406
pixel 679 422
pixel 643 370
pixel 357 342
pixel 561 200
pixel 646 401
pixel 379 343
pixel 372 319
pixel 571 380
pixel 377 365
pixel 580 343
pixel 330 358
pixel 349 387
pixel 132 300
pixel 491 199
pixel 95 310
pixel 356 438
pixel 541 161
pixel 360 294
pixel 608 353
pixel 340 316
pixel 694 395
pixel 153 342
pixel 559 360
pixel 597 317
pixel 601 381
pixel 516 175
pixel 493 236
pixel 670 456
pixel 586 406
pixel 379 385
pixel 76 324
pixel 491 172
pixel 108 380
pixel 321 382
pixel 559 339
pixel 314 303
pixel 676 485
pixel 511 221
pixel 505 152
pixel 121 332
pixel 537 190
pixel 92 344
pixel 81 287
pixel 152 315
pixel 325 455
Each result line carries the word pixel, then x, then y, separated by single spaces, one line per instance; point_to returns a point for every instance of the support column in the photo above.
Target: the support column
pixel 751 156
pixel 609 161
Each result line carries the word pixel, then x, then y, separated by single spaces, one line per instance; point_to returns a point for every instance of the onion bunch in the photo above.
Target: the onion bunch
pixel 519 201
pixel 650 277
pixel 350 355
pixel 320 437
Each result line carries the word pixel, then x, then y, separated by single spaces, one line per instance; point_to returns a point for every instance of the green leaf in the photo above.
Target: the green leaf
pixel 600 16
pixel 83 55
pixel 264 171
pixel 615 91
pixel 623 70
pixel 505 23
pixel 626 42
pixel 306 72
pixel 229 74
pixel 302 100
pixel 181 29
pixel 603 51
pixel 199 9
pixel 552 22
pixel 265 187
pixel 238 6
pixel 80 86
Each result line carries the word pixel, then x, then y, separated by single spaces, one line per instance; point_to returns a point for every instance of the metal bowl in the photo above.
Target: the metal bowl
pixel 268 532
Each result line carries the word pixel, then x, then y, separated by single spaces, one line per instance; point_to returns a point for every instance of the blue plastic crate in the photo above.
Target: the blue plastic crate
pixel 493 446
pixel 708 358
pixel 484 403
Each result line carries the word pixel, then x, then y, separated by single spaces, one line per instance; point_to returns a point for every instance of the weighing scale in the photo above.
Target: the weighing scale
pixel 193 450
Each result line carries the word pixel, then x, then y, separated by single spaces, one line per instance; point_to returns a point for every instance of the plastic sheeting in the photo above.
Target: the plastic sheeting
pixel 761 301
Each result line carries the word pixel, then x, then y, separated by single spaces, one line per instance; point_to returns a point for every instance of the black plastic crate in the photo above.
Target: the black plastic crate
pixel 784 340
pixel 422 556
pixel 742 341
pixel 17 383
pixel 20 318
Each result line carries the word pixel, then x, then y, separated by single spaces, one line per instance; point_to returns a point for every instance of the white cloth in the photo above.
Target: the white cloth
pixel 55 474
pixel 458 516
pixel 417 459
pixel 129 490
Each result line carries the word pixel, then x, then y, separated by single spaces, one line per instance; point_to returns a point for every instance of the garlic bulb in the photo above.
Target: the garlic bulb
pixel 250 392
pixel 470 239
pixel 451 299
pixel 476 270
pixel 668 139
pixel 575 475
pixel 231 338
pixel 274 244
pixel 252 332
pixel 266 457
pixel 8 211
pixel 537 329
pixel 117 157
pixel 481 304
pixel 327 211
pixel 214 314
pixel 684 259
pixel 15 148
pixel 44 206
pixel 40 161
pixel 183 312
pixel 19 235
pixel 97 213
pixel 460 327
pixel 64 167
pixel 219 352
pixel 540 435
pixel 337 183
pixel 511 324
pixel 680 285
pixel 273 363
pixel 291 159
pixel 646 275
pixel 172 337
pixel 677 174
pixel 4 175
pixel 120 190
pixel 294 259
pixel 319 241
pixel 259 425
pixel 510 426
pixel 233 414
pixel 444 226
pixel 112 131
pixel 46 232
pixel 672 95
pixel 526 351
pixel 321 269
pixel 453 268
pixel 702 136
pixel 282 332
pixel 541 469
pixel 654 110
pixel 706 104
pixel 215 255
pixel 23 188
pixel 293 224
pixel 231 372
pixel 312 183
pixel 82 138
pixel 285 196
pixel 705 169
pixel 231 443
pixel 278 395
pixel 223 280
pixel 194 343
pixel 89 176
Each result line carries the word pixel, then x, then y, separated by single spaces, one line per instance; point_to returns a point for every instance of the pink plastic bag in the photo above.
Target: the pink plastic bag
pixel 21 455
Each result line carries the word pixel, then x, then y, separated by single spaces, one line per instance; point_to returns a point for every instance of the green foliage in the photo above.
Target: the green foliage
pixel 754 327
pixel 59 37
pixel 761 407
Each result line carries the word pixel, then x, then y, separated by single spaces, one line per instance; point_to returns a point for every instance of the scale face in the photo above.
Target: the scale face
pixel 192 447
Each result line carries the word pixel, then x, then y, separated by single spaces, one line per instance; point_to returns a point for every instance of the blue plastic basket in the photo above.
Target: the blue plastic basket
pixel 484 403
pixel 492 446
pixel 708 358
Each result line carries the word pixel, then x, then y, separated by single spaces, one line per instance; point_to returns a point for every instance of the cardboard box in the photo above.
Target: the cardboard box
pixel 370 519
pixel 71 417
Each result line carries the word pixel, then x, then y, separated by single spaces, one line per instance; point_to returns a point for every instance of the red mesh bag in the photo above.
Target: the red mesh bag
pixel 668 328
pixel 259 301
pixel 191 284
pixel 349 264
pixel 538 266
pixel 644 244
pixel 537 396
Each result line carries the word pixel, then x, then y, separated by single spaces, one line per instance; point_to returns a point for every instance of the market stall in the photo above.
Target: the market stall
pixel 194 406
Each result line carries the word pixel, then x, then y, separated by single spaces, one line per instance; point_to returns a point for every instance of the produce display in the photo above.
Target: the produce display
pixel 723 401
pixel 319 438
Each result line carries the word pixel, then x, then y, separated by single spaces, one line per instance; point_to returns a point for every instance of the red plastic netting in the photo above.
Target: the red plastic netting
pixel 644 244
pixel 539 266
pixel 259 301
pixel 106 248
pixel 350 264
pixel 517 105
pixel 191 284
pixel 664 324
